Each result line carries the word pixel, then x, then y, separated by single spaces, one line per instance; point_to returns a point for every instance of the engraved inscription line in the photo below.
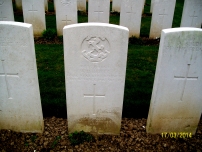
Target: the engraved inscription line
pixel 131 12
pixel 33 11
pixel 6 80
pixel 99 11
pixel 94 95
pixel 66 20
pixel 185 78
pixel 193 16
pixel 163 15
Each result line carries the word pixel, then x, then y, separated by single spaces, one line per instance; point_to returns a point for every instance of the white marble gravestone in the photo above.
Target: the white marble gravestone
pixel 81 5
pixel 66 13
pixel 95 66
pixel 192 14
pixel 20 103
pixel 98 11
pixel 116 5
pixel 130 16
pixel 34 13
pixel 18 4
pixel 176 98
pixel 6 10
pixel 162 16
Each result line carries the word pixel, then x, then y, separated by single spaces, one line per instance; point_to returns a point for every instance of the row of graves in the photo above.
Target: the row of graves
pixel 99 11
pixel 95 67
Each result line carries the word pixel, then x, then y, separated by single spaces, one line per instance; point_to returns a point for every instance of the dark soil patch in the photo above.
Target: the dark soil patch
pixel 133 137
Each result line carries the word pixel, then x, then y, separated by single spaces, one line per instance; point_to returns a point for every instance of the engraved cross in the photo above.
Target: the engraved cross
pixel 33 11
pixel 193 16
pixel 1 17
pixel 4 74
pixel 94 95
pixel 98 11
pixel 185 78
pixel 163 15
pixel 66 20
pixel 130 13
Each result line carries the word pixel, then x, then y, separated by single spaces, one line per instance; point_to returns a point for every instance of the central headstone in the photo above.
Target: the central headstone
pixel 130 16
pixel 98 11
pixel 95 66
pixel 66 13
pixel 176 98
pixel 20 103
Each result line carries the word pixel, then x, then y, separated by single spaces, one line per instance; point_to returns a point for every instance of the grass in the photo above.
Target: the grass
pixel 141 64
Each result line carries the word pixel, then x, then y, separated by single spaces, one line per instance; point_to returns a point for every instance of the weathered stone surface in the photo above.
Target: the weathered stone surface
pixel 34 13
pixel 6 10
pixel 130 16
pixel 95 65
pixel 116 5
pixel 176 98
pixel 20 103
pixel 66 14
pixel 98 11
pixel 162 16
pixel 81 5
pixel 192 14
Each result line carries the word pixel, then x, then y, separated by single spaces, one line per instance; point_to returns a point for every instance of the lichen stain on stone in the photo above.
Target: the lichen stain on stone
pixel 99 125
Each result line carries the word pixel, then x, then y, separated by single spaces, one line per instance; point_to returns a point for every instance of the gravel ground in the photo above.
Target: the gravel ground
pixel 133 137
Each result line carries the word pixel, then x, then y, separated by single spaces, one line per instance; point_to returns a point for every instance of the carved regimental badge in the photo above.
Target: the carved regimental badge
pixel 95 49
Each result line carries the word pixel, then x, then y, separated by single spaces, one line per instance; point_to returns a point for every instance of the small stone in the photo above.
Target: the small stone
pixel 164 145
pixel 12 143
pixel 76 146
pixel 130 127
pixel 63 132
pixel 45 143
pixel 63 143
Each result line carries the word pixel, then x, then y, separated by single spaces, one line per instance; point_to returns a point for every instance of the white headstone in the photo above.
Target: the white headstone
pixel 130 16
pixel 66 14
pixel 98 11
pixel 46 5
pixel 116 5
pixel 6 10
pixel 162 16
pixel 176 98
pixel 95 66
pixel 81 5
pixel 192 14
pixel 34 13
pixel 20 103
pixel 18 4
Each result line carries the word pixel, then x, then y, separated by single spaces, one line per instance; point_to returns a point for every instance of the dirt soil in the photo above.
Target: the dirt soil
pixel 133 137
